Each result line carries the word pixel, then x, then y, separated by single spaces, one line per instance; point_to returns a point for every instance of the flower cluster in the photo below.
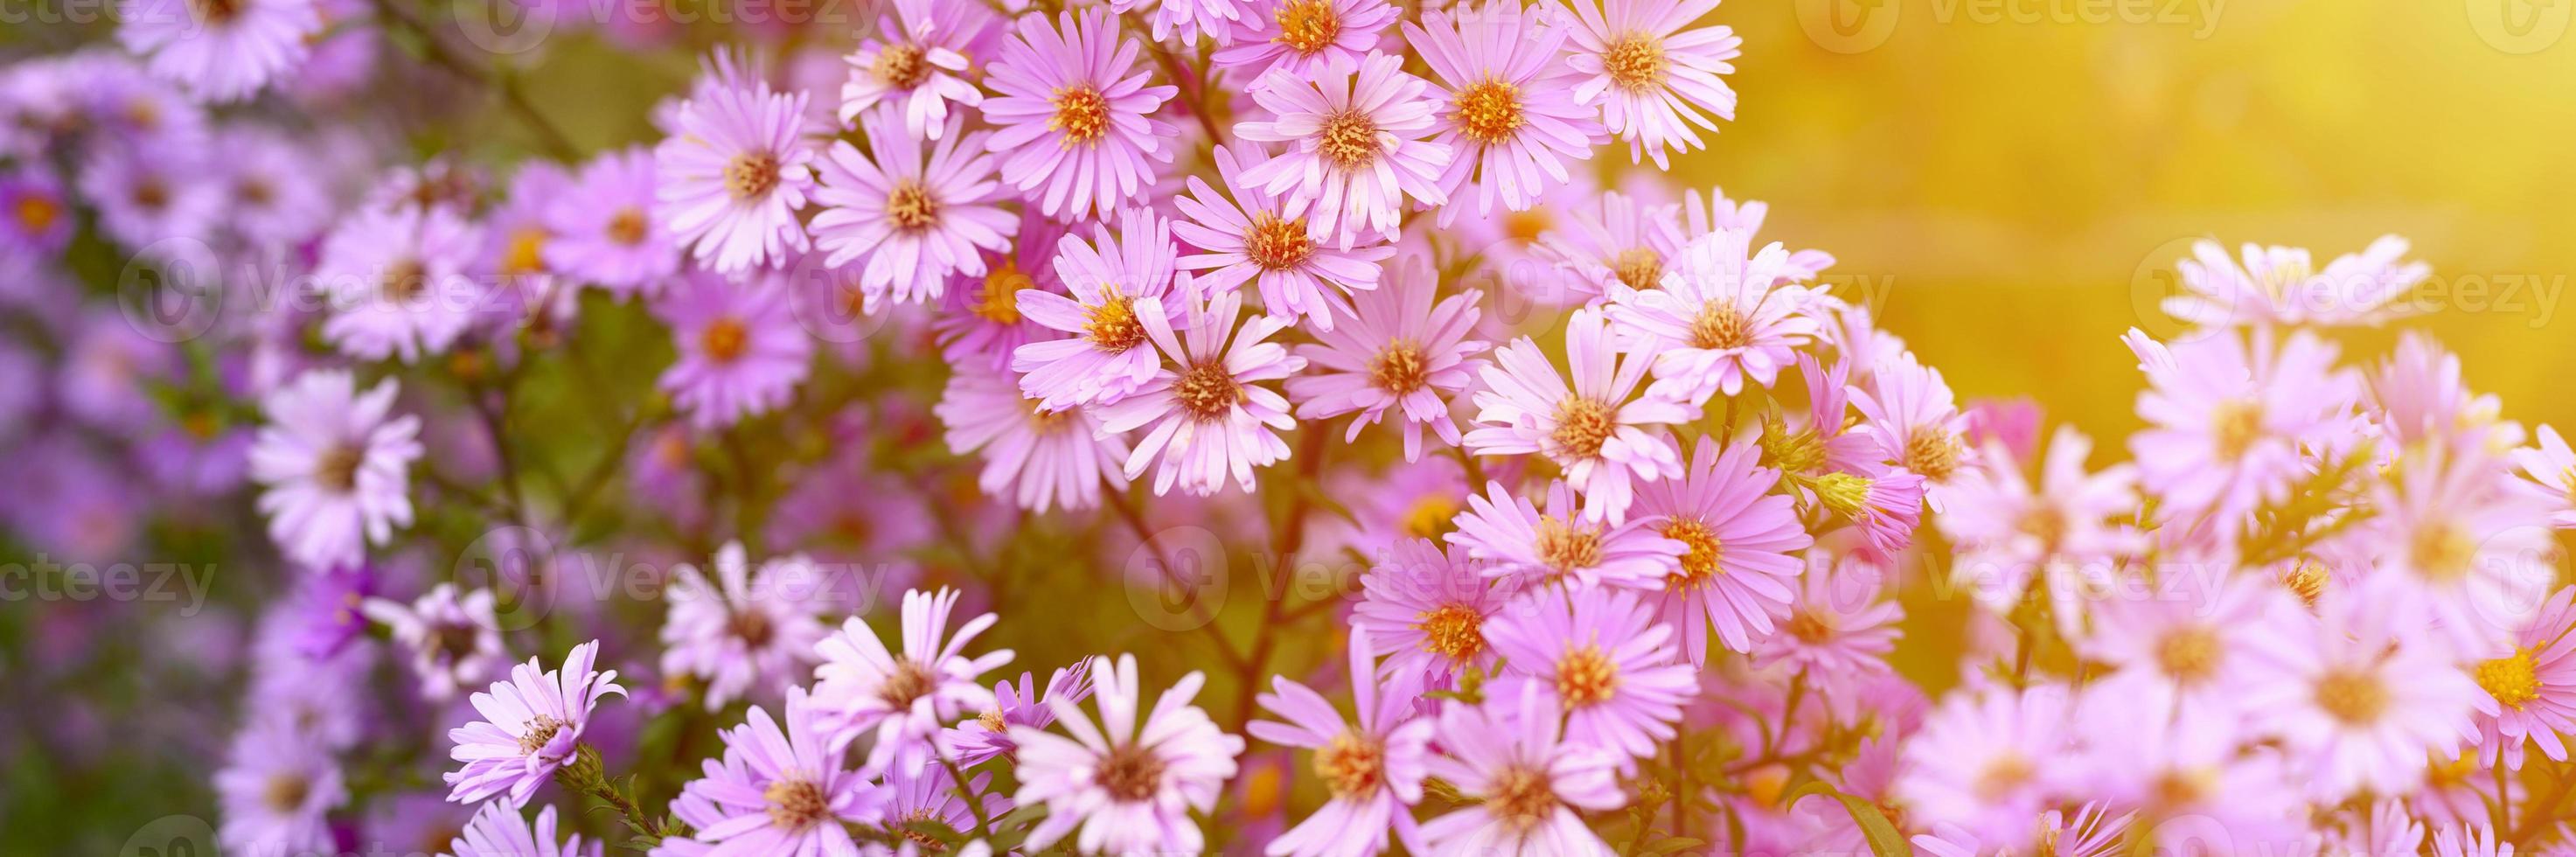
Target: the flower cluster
pixel 1089 329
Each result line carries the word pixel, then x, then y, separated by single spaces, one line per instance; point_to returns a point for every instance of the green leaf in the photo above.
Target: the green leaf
pixel 1884 841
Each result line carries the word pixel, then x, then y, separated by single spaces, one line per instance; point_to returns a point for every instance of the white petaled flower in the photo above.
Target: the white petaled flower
pixel 734 175
pixel 739 632
pixel 904 697
pixel 1356 150
pixel 1594 428
pixel 908 218
pixel 1209 416
pixel 917 64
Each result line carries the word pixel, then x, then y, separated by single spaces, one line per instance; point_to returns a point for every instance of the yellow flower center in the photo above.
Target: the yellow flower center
pixel 1277 244
pixel 901 66
pixel 286 791
pixel 2190 653
pixel 751 175
pixel 2511 680
pixel 999 302
pixel 1585 676
pixel 1207 391
pixel 2440 550
pixel 1521 798
pixel 1348 139
pixel 1810 627
pixel 1566 546
pixel 1112 325
pixel 725 339
pixel 1307 26
pixel 1351 765
pixel 1399 368
pixel 1582 426
pixel 38 213
pixel 1700 562
pixel 1453 631
pixel 911 207
pixel 2236 425
pixel 628 226
pixel 1635 62
pixel 1430 516
pixel 1081 115
pixel 1719 326
pixel 795 804
pixel 1932 452
pixel 1638 267
pixel 1489 112
pixel 526 254
pixel 2354 698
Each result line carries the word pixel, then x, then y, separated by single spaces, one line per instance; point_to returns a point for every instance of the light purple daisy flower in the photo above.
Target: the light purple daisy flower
pixel 500 831
pixel 1400 352
pixel 1717 320
pixel 1743 542
pixel 1594 429
pixel 1207 413
pixel 1649 74
pixel 904 697
pixel 2005 530
pixel 735 171
pixel 1372 765
pixel 1983 759
pixel 1525 784
pixel 2469 557
pixel 147 194
pixel 1562 544
pixel 742 352
pixel 2531 694
pixel 2188 648
pixel 1909 410
pixel 988 735
pixel 515 233
pixel 784 790
pixel 221 50
pixel 1838 625
pixel 606 229
pixel 276 197
pixel 1039 458
pixel 454 642
pixel 1116 287
pixel 531 725
pixel 1074 115
pixel 1508 108
pixel 1356 148
pixel 336 467
pixel 917 63
pixel 741 633
pixel 1128 787
pixel 925 801
pixel 397 283
pixel 1302 38
pixel 1254 238
pixel 2227 419
pixel 908 219
pixel 276 788
pixel 1603 657
pixel 2282 286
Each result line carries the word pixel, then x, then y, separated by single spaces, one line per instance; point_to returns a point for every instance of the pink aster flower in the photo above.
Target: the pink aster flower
pixel 1525 784
pixel 220 51
pixel 979 321
pixel 1910 411
pixel 1428 607
pixel 1118 287
pixel 2005 530
pixel 1400 352
pixel 739 632
pixel 275 198
pixel 1980 762
pixel 916 64
pixel 1718 319
pixel 1650 72
pixel 2090 831
pixel 988 735
pixel 1205 414
pixel 336 467
pixel 1839 624
pixel 500 831
pixel 2466 841
pixel 454 642
pixel 531 725
pixel 2228 419
pixel 1886 503
pixel 1255 239
pixel 607 229
pixel 1742 542
pixel 2531 693
pixel 2468 555
pixel 2357 704
pixel 1128 787
pixel 2187 648
pixel 2188 776
pixel 276 790
pixel 742 351
pixel 147 194
pixel 1183 19
pixel 904 697
pixel 784 790
pixel 35 214
pixel 1356 149
pixel 397 283
pixel 1508 107
pixel 1074 116
pixel 1301 38
pixel 734 172
pixel 1612 239
pixel 1040 459
pixel 1565 543
pixel 1606 660
pixel 2282 286
pixel 1593 429
pixel 2552 468
pixel 1372 765
pixel 908 220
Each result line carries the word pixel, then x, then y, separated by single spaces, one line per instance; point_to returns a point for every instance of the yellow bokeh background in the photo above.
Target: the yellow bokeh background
pixel 2006 171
